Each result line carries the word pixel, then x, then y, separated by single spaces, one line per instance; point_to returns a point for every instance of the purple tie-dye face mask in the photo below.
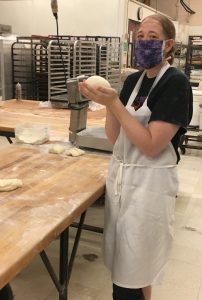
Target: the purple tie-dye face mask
pixel 149 53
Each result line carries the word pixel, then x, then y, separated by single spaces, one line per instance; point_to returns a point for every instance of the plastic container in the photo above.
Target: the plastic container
pixel 18 91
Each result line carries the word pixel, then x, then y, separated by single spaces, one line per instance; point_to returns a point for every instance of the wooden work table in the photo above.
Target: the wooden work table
pixel 14 112
pixel 55 192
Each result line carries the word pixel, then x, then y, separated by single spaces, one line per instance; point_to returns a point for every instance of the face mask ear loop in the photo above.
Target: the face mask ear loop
pixel 163 49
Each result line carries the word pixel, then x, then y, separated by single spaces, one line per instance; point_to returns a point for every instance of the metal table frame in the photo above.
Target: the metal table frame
pixel 8 135
pixel 65 263
pixel 187 137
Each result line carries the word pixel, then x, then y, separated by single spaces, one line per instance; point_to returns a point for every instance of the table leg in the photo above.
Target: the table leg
pixel 76 243
pixel 65 264
pixel 8 135
pixel 63 271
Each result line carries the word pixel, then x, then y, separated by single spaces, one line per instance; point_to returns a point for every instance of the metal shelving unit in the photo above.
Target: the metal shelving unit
pixel 59 69
pixel 180 56
pixel 30 67
pixel 43 64
pixel 81 57
pixel 109 62
pixel 193 67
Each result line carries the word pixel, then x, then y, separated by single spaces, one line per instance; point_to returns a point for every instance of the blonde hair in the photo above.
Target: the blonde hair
pixel 168 30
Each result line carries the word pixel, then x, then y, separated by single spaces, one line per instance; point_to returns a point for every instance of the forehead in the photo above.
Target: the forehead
pixel 151 25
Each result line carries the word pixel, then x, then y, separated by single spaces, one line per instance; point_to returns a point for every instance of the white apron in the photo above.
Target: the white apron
pixel 139 207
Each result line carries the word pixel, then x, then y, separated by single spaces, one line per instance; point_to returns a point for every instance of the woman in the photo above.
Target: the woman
pixel 145 125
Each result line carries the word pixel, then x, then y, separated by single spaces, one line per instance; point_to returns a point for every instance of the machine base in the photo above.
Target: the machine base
pixel 94 138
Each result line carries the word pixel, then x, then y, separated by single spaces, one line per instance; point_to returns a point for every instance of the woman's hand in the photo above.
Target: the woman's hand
pixel 101 95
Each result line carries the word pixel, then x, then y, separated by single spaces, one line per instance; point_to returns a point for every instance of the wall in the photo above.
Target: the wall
pixel 93 17
pixel 176 11
pixel 172 8
pixel 76 17
pixel 133 7
pixel 196 19
pixel 188 24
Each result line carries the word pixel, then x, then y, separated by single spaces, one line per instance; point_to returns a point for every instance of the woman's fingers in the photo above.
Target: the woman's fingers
pixel 99 90
pixel 107 91
pixel 89 92
pixel 86 90
pixel 99 94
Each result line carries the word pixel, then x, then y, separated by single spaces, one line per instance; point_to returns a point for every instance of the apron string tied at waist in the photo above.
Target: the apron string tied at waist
pixel 118 181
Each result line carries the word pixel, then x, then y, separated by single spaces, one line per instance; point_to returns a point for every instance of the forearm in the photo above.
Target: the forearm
pixel 112 126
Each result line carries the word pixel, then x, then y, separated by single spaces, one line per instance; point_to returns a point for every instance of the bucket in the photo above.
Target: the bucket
pixel 197 100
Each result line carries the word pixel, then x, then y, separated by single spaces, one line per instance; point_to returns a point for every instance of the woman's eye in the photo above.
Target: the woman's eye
pixel 153 37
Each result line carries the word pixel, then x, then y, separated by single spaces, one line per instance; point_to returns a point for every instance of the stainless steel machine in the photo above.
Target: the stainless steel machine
pixel 6 41
pixel 92 137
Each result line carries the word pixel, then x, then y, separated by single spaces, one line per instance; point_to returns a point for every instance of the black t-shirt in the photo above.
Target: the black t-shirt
pixel 143 92
pixel 170 101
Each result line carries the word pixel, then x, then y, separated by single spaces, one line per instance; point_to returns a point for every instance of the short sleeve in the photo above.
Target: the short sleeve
pixel 174 101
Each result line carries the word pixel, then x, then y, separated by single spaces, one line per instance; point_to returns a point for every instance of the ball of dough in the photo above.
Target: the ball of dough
pixel 95 81
pixel 74 152
pixel 57 149
pixel 10 184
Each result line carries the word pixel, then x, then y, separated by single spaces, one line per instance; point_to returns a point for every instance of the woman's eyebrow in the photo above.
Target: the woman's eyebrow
pixel 151 31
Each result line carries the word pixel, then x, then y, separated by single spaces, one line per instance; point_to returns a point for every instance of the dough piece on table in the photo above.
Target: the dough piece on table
pixel 96 80
pixel 10 184
pixel 74 152
pixel 57 149
pixel 31 134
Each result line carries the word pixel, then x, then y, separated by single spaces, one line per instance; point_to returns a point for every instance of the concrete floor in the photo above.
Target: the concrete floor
pixel 91 281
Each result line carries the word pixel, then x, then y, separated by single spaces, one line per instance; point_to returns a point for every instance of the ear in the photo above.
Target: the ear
pixel 169 45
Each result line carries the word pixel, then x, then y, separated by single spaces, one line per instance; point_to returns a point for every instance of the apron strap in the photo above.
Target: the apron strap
pixel 138 84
